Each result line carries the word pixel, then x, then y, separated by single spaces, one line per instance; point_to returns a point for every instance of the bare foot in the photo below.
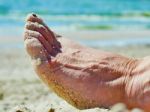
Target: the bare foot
pixel 83 76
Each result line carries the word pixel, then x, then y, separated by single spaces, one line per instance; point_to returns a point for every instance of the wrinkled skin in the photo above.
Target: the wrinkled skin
pixel 86 77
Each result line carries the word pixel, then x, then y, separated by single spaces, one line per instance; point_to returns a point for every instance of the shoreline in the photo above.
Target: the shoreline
pixel 105 34
pixel 89 34
pixel 92 38
pixel 17 35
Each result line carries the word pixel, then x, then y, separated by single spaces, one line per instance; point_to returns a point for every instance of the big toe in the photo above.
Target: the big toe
pixel 34 47
pixel 39 56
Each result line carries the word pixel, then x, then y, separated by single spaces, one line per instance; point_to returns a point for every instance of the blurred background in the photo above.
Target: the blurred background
pixel 119 26
pixel 70 16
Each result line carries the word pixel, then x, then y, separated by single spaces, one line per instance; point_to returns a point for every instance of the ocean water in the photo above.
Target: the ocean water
pixel 76 15
pixel 82 14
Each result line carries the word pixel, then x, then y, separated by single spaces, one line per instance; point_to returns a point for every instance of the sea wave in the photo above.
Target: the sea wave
pixel 4 11
pixel 87 14
pixel 82 22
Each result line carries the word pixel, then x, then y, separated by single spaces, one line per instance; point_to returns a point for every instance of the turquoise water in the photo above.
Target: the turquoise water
pixel 79 15
pixel 82 14
pixel 97 44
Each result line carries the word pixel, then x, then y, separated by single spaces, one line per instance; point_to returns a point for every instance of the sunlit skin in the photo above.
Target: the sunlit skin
pixel 83 76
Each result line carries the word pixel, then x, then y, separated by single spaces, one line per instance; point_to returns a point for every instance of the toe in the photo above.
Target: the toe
pixel 46 45
pixel 33 18
pixel 35 49
pixel 41 29
pixel 39 56
pixel 50 34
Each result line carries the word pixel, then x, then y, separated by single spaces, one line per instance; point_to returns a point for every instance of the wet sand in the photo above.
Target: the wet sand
pixel 21 89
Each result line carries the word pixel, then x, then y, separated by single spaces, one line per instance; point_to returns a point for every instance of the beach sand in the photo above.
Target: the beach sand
pixel 22 91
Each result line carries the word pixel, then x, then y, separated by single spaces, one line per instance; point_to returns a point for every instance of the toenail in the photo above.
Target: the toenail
pixel 34 15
